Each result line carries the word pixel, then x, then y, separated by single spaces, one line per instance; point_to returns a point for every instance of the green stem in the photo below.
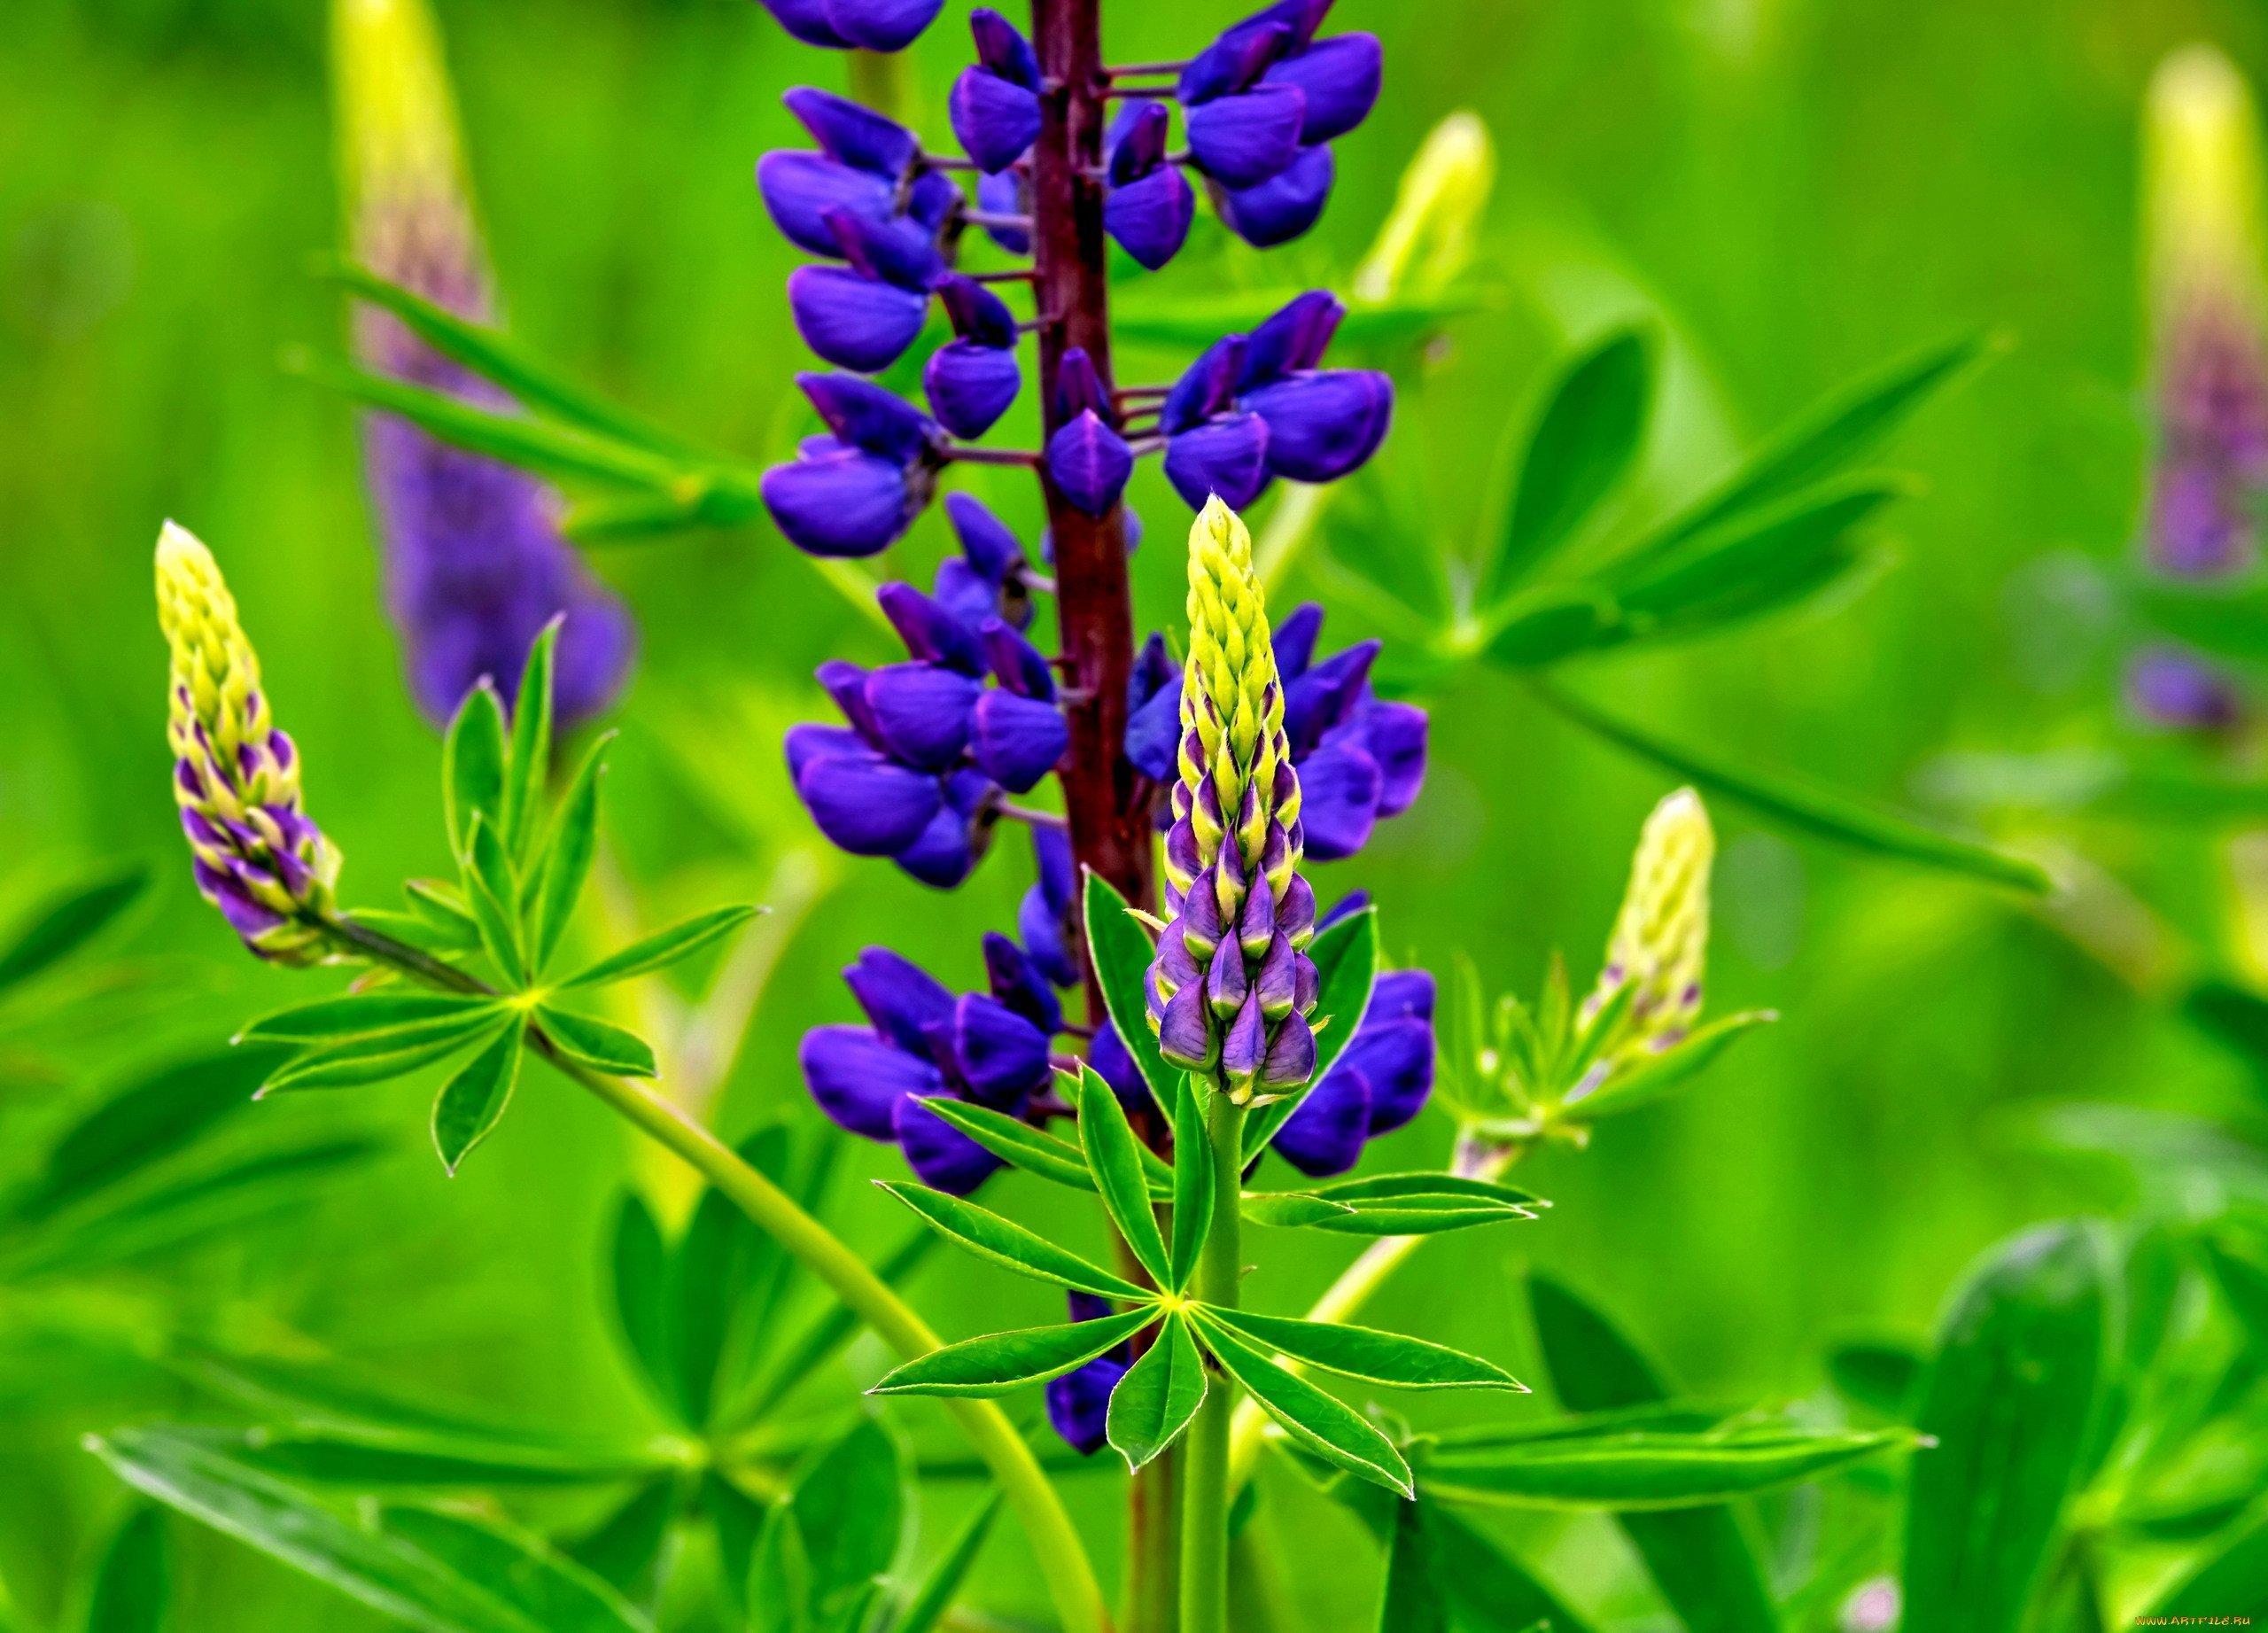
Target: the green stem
pixel 1345 1297
pixel 1062 1557
pixel 1205 1467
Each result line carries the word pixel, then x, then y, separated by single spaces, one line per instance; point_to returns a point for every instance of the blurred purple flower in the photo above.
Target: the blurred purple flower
pixel 1379 1084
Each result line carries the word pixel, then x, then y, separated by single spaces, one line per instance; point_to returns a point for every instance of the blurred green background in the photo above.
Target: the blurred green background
pixel 1796 190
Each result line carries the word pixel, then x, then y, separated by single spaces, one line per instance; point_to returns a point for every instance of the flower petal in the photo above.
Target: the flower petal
pixel 881 25
pixel 921 712
pixel 970 385
pixel 869 805
pixel 852 132
pixel 841 503
pixel 1284 206
pixel 799 189
pixel 854 321
pixel 1322 424
pixel 1018 740
pixel 939 1153
pixel 1325 1133
pixel 1001 1054
pixel 1090 463
pixel 995 119
pixel 903 999
pixel 1340 77
pixel 1339 792
pixel 1227 455
pixel 859 1079
pixel 1150 216
pixel 1243 139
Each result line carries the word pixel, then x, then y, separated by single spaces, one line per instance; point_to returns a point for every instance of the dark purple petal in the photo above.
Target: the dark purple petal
pixel 1293 339
pixel 805 20
pixel 1078 1403
pixel 945 851
pixel 1115 1066
pixel 1058 872
pixel 799 189
pixel 1294 640
pixel 1395 1058
pixel 1227 455
pixel 1340 77
pixel 921 712
pixel 1040 929
pixel 1016 663
pixel 2169 688
pixel 898 250
pixel 1277 980
pixel 1325 1133
pixel 1002 1056
pixel 859 1079
pixel 808 742
pixel 1003 49
pixel 1137 141
pixel 1323 425
pixel 1154 733
pixel 903 999
pixel 1345 907
pixel 842 504
pixel 1018 740
pixel 995 119
pixel 881 25
pixel 1225 987
pixel 944 1156
pixel 854 321
pixel 970 385
pixel 1281 207
pixel 1291 1054
pixel 1205 387
pixel 1150 216
pixel 1338 787
pixel 868 805
pixel 1078 387
pixel 869 416
pixel 1090 463
pixel 1401 994
pixel 1015 981
pixel 1244 1043
pixel 1245 137
pixel 1185 1035
pixel 1325 695
pixel 852 132
pixel 846 683
pixel 1396 735
pixel 977 313
pixel 1006 194
pixel 929 631
pixel 991 548
pixel 1240 55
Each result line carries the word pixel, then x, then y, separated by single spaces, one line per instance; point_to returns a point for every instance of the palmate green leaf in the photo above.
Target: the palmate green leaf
pixel 926 1610
pixel 1365 1353
pixel 2010 1399
pixel 530 761
pixel 440 1573
pixel 1702 1560
pixel 366 1015
pixel 472 764
pixel 1319 1421
pixel 1643 1079
pixel 564 866
pixel 1882 1378
pixel 828 1332
pixel 1015 1142
pixel 134 1584
pixel 1002 1362
pixel 1159 1394
pixel 471 1102
pixel 780 1577
pixel 1827 439
pixel 67 922
pixel 1640 1469
pixel 363 1458
pixel 1584 443
pixel 2228 1586
pixel 1121 952
pixel 151 1117
pixel 1415 1597
pixel 600 1044
pixel 1807 808
pixel 724 1275
pixel 1345 957
pixel 1004 1242
pixel 380 1057
pixel 1114 1158
pixel 664 947
pixel 1194 1198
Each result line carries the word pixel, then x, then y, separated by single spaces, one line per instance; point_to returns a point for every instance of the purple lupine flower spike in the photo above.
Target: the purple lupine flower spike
pixel 475 563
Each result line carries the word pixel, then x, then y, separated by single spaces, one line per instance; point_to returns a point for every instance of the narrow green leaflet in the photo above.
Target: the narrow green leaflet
pixel 361 1459
pixel 440 907
pixel 1649 1077
pixel 443 1575
pixel 150 1118
pixel 530 762
pixel 1005 1242
pixel 1882 1378
pixel 364 1014
pixel 470 1103
pixel 1193 1187
pixel 133 1585
pixel 1121 952
pixel 2010 1399
pixel 1363 1352
pixel 1345 957
pixel 1583 445
pixel 640 1274
pixel 1319 1421
pixel 2243 1280
pixel 472 764
pixel 1002 1362
pixel 375 1059
pixel 1494 1594
pixel 1290 1209
pixel 666 947
pixel 67 923
pixel 2229 1587
pixel 1630 1470
pixel 1417 1204
pixel 623 1550
pixel 1159 1394
pixel 492 890
pixel 849 1507
pixel 926 1610
pixel 600 1044
pixel 1015 1142
pixel 1808 809
pixel 1702 1560
pixel 1114 1158
pixel 2213 617
pixel 1415 1597
pixel 566 862
pixel 1540 626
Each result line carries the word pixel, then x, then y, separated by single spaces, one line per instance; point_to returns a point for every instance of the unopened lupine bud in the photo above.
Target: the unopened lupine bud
pixel 1231 987
pixel 1428 239
pixel 1660 941
pixel 258 857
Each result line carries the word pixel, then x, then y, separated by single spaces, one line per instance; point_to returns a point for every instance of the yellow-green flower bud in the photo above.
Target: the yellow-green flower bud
pixel 257 857
pixel 1660 941
pixel 1428 239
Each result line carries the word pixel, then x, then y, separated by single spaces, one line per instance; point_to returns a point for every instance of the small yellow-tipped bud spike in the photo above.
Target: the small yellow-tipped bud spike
pixel 1428 239
pixel 401 164
pixel 2201 156
pixel 1661 943
pixel 212 663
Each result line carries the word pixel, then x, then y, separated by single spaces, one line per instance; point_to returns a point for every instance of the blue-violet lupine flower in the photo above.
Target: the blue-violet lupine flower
pixel 1231 985
pixel 1380 1081
pixel 254 853
pixel 1004 197
pixel 995 103
pixel 924 1042
pixel 1078 1403
pixel 971 379
pixel 475 564
pixel 2167 686
pixel 864 315
pixel 868 165
pixel 1149 204
pixel 1360 756
pixel 855 492
pixel 1087 457
pixel 866 24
